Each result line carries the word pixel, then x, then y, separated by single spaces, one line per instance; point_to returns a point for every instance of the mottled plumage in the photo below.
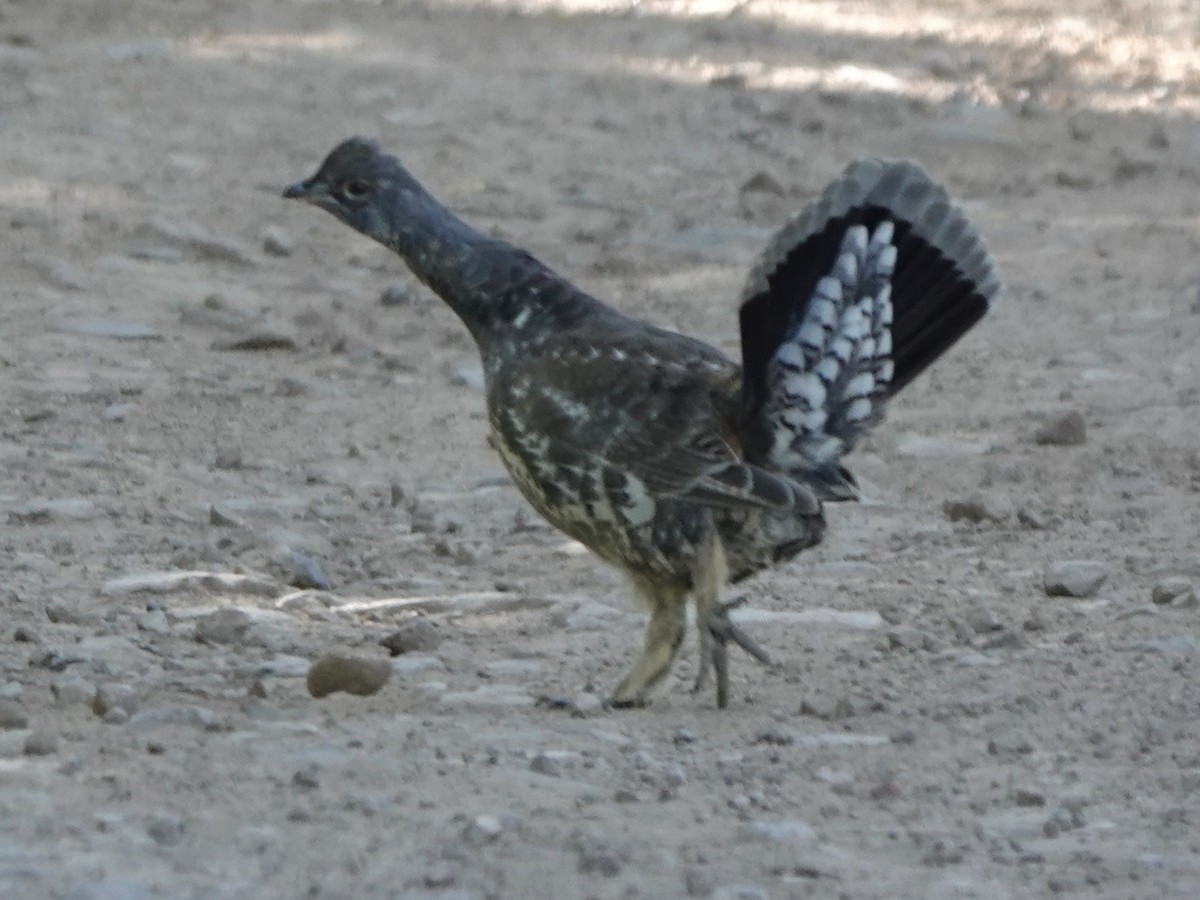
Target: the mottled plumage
pixel 664 457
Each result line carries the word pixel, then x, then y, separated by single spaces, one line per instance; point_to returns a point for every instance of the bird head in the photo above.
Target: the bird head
pixel 359 184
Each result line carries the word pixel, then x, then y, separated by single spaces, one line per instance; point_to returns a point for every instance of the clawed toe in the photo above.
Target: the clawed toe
pixel 714 649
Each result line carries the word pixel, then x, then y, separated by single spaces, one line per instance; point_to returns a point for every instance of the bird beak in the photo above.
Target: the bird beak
pixel 301 190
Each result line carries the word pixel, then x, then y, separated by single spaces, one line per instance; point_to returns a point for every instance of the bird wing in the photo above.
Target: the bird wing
pixel 639 414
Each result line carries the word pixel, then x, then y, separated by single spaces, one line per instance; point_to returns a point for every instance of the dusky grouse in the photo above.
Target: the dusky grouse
pixel 656 451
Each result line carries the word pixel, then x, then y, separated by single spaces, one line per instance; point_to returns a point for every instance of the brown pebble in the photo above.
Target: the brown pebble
pixel 416 635
pixel 358 675
pixel 1065 430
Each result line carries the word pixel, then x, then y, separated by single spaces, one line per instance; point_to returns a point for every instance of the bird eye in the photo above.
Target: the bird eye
pixel 356 189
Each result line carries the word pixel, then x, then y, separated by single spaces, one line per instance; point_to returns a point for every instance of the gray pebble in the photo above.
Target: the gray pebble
pixel 154 621
pixel 72 690
pixel 982 619
pixel 1063 430
pixel 1074 578
pixel 553 762
pixel 698 881
pixel 260 337
pixel 13 715
pixel 11 690
pixel 395 295
pixel 1028 797
pixel 358 675
pixel 41 743
pixel 276 242
pixel 302 571
pixel 61 613
pixel 223 626
pixel 117 412
pixel 983 507
pixel 414 635
pixel 166 829
pixel 219 519
pixel 483 830
pixel 1169 589
pixel 109 697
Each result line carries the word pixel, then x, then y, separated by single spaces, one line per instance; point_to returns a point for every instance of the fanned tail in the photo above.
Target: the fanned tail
pixel 849 303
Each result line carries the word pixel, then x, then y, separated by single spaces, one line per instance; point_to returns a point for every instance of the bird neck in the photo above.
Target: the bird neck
pixel 503 295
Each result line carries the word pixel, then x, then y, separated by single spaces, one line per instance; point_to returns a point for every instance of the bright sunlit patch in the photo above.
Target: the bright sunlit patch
pixel 845 77
pixel 265 45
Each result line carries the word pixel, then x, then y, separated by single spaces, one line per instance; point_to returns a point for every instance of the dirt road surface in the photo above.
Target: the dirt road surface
pixel 199 377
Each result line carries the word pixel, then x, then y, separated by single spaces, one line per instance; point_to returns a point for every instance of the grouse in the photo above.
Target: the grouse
pixel 664 457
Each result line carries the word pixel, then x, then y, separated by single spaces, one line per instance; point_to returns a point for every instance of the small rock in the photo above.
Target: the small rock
pixel 12 716
pixel 483 830
pixel 61 613
pixel 166 829
pixel 1032 519
pixel 72 690
pixel 986 507
pixel 114 696
pixel 154 621
pixel 41 743
pixel 470 377
pixel 698 881
pixel 553 762
pixel 275 241
pixel 358 675
pixel 906 638
pixel 1064 430
pixel 587 705
pixel 117 412
pixel 982 619
pixel 219 519
pixel 1167 590
pixel 395 295
pixel 414 635
pixel 1028 797
pixel 302 571
pixel 223 626
pixel 260 338
pixel 1074 578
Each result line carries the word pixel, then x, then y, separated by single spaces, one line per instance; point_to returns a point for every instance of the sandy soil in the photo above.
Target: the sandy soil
pixel 938 726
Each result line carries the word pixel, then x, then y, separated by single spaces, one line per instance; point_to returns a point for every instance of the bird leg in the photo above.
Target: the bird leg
pixel 664 635
pixel 713 622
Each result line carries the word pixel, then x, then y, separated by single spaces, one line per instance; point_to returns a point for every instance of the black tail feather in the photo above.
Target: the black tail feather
pixel 944 279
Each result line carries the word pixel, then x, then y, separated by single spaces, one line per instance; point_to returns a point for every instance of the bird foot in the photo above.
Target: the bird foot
pixel 714 649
